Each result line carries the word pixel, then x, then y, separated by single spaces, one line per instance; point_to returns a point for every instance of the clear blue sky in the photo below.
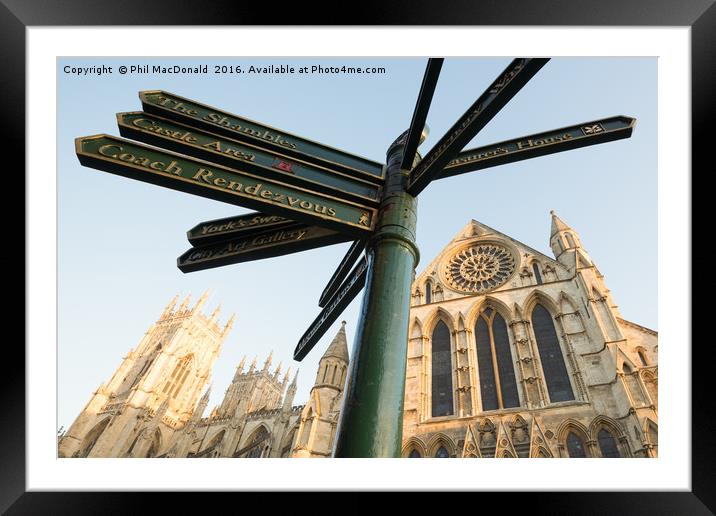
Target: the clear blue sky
pixel 118 239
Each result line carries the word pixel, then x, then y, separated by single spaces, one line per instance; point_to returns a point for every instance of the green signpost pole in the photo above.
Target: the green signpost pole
pixel 371 423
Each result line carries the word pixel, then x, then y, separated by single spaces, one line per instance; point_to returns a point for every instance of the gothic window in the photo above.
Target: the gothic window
pixel 179 376
pixel 555 371
pixel 575 446
pixel 335 368
pixel 642 357
pixel 538 276
pixel 442 453
pixel 414 454
pixel 559 245
pixel 428 292
pixel 258 445
pixel 497 375
pixel 607 444
pixel 570 240
pixel 325 372
pixel 441 371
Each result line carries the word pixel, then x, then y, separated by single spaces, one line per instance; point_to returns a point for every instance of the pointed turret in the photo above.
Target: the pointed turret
pixel 201 406
pixel 185 303
pixel 339 345
pixel 215 314
pixel 170 307
pixel 201 301
pixel 277 371
pixel 253 365
pixel 268 361
pixel 229 325
pixel 290 392
pixel 286 376
pixel 566 245
pixel 334 362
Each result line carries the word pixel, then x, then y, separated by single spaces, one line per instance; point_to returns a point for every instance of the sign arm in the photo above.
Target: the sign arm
pixel 487 105
pixel 420 113
pixel 540 144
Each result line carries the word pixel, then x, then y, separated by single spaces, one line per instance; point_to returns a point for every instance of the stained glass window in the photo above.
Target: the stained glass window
pixel 415 454
pixel 575 446
pixel 607 443
pixel 538 276
pixel 442 453
pixel 555 372
pixel 498 386
pixel 441 371
pixel 428 293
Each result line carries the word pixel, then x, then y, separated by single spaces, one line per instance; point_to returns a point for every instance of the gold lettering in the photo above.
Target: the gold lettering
pixel 203 174
pixel 219 181
pixel 102 149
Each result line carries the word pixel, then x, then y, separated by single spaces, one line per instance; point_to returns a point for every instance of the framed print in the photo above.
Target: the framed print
pixel 518 346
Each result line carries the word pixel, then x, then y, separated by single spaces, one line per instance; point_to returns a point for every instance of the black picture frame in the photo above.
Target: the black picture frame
pixel 17 15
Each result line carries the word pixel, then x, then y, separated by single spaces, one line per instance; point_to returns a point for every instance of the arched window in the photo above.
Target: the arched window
pixel 258 445
pixel 179 376
pixel 555 372
pixel 428 292
pixel 570 239
pixel 442 453
pixel 335 368
pixel 538 276
pixel 642 357
pixel 607 444
pixel 559 245
pixel 414 454
pixel 575 446
pixel 441 371
pixel 494 360
pixel 325 372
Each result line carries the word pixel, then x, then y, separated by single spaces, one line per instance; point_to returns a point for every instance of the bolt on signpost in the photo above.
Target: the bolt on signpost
pixel 310 195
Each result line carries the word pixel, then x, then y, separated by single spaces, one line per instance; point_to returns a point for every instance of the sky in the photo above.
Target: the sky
pixel 118 239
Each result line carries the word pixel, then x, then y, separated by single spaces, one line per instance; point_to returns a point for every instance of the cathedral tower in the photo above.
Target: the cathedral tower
pixel 155 389
pixel 317 429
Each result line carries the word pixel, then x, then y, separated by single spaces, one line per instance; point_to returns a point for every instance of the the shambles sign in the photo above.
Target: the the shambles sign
pixel 125 158
pixel 215 120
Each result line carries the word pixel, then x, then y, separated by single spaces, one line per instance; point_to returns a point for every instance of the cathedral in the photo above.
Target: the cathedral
pixel 511 353
pixel 153 404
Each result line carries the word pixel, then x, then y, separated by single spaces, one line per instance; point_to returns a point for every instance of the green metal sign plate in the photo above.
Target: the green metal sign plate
pixel 212 119
pixel 233 154
pixel 334 307
pixel 218 230
pixel 541 144
pixel 277 242
pixel 163 168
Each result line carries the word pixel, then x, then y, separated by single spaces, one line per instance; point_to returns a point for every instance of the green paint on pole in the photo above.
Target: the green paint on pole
pixel 371 423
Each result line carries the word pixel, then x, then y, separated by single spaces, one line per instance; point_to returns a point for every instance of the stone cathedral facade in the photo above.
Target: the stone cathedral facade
pixel 513 353
pixel 152 406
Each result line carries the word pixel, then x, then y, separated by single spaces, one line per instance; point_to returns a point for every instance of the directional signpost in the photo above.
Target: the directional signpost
pixel 334 307
pixel 214 120
pixel 231 227
pixel 336 280
pixel 288 239
pixel 197 177
pixel 541 144
pixel 233 154
pixel 312 195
